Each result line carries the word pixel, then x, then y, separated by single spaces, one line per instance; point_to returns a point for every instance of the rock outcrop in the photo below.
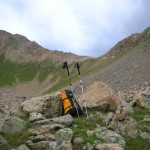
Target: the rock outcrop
pixel 101 96
pixel 12 125
pixel 142 99
pixel 49 106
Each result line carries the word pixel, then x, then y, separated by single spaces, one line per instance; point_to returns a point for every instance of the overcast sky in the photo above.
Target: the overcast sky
pixel 84 27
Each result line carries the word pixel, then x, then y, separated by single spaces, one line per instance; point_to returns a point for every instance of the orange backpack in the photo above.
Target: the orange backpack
pixel 69 104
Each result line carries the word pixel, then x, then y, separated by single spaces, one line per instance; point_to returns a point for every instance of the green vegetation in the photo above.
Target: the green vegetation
pixel 138 115
pixel 60 78
pixel 80 128
pixel 137 144
pixel 12 72
pixel 14 140
pixel 84 124
pixel 46 68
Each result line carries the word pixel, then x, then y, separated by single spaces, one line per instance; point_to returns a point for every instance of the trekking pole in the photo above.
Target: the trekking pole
pixel 65 66
pixel 81 85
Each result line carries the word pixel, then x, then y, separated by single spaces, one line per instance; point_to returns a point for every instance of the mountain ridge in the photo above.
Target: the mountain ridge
pixel 19 48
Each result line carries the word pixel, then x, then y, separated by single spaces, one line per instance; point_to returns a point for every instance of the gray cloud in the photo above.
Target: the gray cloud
pixel 84 27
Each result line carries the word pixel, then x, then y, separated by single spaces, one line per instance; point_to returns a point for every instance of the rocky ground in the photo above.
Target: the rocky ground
pixel 37 124
pixel 128 73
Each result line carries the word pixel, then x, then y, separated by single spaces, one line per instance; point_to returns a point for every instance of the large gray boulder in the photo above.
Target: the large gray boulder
pixel 66 120
pixel 48 105
pixel 12 125
pixel 100 95
pixel 45 129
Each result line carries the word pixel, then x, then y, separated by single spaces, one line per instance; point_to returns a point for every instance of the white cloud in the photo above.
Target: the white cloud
pixel 84 27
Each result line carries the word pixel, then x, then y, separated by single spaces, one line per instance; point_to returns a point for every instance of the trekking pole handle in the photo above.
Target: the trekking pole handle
pixel 65 65
pixel 78 67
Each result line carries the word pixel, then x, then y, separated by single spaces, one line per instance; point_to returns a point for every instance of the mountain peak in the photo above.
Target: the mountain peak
pixel 18 48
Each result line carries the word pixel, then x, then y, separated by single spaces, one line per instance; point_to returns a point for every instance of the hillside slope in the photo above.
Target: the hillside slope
pixel 23 62
pixel 129 72
pixel 33 70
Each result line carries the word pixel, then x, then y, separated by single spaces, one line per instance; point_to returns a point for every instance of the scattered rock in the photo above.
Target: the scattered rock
pixel 100 115
pixel 75 125
pixel 45 137
pixel 90 146
pixel 110 116
pixel 52 145
pixel 98 126
pixel 64 134
pixel 146 119
pixel 45 129
pixel 91 116
pixel 35 117
pixel 142 99
pixel 109 136
pixel 90 133
pixel 108 147
pixel 121 113
pixel 23 147
pixel 127 127
pixel 78 140
pixel 145 127
pixel 66 120
pixel 42 145
pixel 63 145
pixel 144 135
pixel 12 125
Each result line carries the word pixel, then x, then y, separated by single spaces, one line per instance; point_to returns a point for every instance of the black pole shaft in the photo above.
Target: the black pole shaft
pixel 78 67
